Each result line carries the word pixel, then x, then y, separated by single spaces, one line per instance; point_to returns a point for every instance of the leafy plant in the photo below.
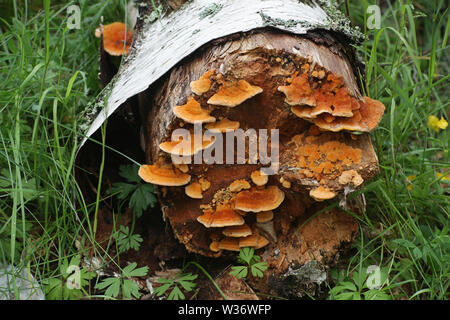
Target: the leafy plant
pixel 362 285
pixel 252 261
pixel 126 240
pixel 71 285
pixel 140 194
pixel 184 280
pixel 116 285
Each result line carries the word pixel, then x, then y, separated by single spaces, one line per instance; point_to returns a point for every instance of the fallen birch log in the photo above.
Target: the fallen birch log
pixel 283 75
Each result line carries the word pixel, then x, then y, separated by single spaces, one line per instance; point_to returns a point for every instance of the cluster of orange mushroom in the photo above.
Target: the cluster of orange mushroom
pixel 317 96
pixel 320 97
pixel 230 215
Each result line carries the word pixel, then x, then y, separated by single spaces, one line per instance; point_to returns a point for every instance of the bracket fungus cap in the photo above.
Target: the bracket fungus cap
pixel 192 112
pixel 232 94
pixel 117 38
pixel 163 175
pixel 203 84
pixel 237 231
pixel 321 193
pixel 224 125
pixel 194 190
pixel 256 200
pixel 222 217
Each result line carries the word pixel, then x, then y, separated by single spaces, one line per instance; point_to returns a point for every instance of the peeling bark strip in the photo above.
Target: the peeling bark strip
pixel 160 45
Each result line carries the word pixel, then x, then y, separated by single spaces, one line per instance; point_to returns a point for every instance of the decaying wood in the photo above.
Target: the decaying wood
pixel 265 59
pixel 267 44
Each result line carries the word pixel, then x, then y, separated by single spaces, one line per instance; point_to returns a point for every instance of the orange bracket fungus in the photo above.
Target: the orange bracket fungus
pixel 232 94
pixel 187 146
pixel 224 125
pixel 117 38
pixel 256 200
pixel 221 217
pixel 237 231
pixel 164 175
pixel 203 84
pixel 192 112
pixel 194 190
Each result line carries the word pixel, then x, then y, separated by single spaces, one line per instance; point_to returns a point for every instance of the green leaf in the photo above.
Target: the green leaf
pixel 176 294
pixel 162 289
pixel 126 240
pixel 122 189
pixel 130 288
pixel 344 296
pixel 239 271
pixel 130 271
pixel 376 295
pixel 112 286
pixel 142 198
pixel 130 172
pixel 246 254
pixel 113 289
pixel 257 269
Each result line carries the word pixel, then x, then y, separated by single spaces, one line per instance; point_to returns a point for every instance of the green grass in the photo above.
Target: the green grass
pixel 49 74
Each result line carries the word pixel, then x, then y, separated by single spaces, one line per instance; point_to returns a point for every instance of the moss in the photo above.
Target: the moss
pixel 211 10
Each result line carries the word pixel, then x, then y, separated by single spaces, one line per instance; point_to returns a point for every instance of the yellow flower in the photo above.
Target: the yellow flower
pixel 410 178
pixel 436 124
pixel 442 176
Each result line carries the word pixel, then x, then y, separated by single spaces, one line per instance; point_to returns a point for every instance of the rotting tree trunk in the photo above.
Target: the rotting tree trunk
pixel 266 59
pixel 273 54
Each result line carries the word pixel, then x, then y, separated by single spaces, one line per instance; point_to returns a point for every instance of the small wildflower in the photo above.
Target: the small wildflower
pixel 443 177
pixel 436 124
pixel 409 182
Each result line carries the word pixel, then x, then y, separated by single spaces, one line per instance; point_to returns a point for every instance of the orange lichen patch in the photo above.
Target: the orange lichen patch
pixel 203 84
pixel 328 158
pixel 256 200
pixel 321 193
pixel 224 125
pixel 163 175
pixel 192 112
pixel 259 178
pixel 214 246
pixel 186 147
pixel 350 176
pixel 230 244
pixel 364 119
pixel 205 184
pixel 298 91
pixel 237 231
pixel 239 185
pixel 264 216
pixel 232 94
pixel 222 217
pixel 117 38
pixel 194 190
